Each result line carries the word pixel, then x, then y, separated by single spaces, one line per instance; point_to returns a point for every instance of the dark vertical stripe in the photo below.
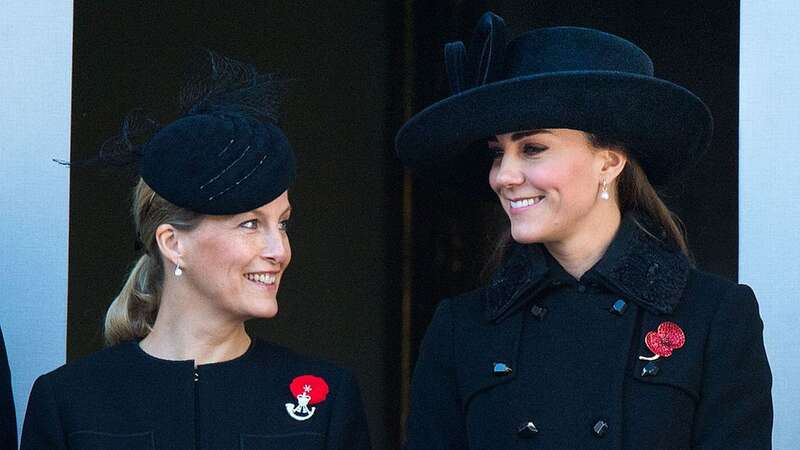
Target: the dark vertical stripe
pixel 408 243
pixel 8 417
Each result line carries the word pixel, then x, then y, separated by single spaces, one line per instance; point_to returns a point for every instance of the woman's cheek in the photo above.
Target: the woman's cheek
pixel 545 177
pixel 493 177
pixel 288 250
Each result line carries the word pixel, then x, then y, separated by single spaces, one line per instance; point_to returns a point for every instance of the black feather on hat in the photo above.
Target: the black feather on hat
pixel 224 155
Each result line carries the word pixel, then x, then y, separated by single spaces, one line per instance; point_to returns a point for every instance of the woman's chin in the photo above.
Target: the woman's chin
pixel 264 309
pixel 526 234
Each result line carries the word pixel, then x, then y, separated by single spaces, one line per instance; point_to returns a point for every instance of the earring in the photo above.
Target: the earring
pixel 604 190
pixel 178 270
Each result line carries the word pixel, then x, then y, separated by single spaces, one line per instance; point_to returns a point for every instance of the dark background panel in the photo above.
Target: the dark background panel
pixel 357 69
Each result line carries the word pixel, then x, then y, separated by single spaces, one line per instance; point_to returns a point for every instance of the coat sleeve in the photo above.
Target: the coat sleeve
pixel 735 409
pixel 435 420
pixel 8 419
pixel 348 427
pixel 42 427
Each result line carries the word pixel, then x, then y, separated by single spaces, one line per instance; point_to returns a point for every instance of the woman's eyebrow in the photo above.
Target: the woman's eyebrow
pixel 263 215
pixel 523 134
pixel 520 135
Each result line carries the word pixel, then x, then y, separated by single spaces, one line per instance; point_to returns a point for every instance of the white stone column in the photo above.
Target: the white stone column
pixel 769 192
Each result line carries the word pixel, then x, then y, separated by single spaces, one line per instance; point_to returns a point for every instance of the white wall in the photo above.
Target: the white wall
pixel 769 192
pixel 35 84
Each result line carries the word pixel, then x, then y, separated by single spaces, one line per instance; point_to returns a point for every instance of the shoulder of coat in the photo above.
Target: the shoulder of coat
pixel 468 306
pixel 709 291
pixel 98 364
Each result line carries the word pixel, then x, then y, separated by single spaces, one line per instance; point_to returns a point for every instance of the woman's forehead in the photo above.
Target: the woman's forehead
pixel 278 206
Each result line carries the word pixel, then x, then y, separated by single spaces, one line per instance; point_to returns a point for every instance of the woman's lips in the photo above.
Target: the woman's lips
pixel 262 279
pixel 521 204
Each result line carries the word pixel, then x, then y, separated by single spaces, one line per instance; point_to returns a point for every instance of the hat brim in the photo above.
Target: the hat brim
pixel 666 127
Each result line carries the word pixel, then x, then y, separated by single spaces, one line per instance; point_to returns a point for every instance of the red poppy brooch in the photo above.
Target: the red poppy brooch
pixel 308 390
pixel 668 337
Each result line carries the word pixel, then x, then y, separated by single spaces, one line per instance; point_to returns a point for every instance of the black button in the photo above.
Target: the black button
pixel 538 311
pixel 556 283
pixel 650 369
pixel 581 288
pixel 500 369
pixel 527 430
pixel 600 428
pixel 619 307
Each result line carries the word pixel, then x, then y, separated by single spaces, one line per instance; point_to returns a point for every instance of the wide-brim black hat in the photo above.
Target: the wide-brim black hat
pixel 561 77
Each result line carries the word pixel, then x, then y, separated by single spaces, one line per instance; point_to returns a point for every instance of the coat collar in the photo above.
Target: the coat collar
pixel 636 265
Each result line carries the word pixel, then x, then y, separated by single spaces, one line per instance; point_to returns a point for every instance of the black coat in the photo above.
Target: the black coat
pixel 538 359
pixel 123 398
pixel 8 420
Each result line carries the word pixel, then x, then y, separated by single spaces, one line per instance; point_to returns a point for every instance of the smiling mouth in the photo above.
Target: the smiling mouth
pixel 263 278
pixel 524 202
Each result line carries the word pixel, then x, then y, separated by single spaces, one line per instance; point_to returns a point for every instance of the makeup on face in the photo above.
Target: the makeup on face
pixel 237 261
pixel 544 180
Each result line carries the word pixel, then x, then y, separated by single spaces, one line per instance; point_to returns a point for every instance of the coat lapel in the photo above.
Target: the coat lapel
pixel 643 268
pixel 636 265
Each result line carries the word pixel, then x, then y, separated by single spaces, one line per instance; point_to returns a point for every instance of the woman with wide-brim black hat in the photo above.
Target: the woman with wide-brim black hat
pixel 211 210
pixel 595 331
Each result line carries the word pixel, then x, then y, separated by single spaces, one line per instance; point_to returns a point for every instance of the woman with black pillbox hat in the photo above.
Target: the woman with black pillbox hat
pixel 595 330
pixel 211 210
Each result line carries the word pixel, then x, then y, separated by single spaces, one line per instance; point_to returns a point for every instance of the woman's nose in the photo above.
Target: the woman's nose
pixel 275 247
pixel 509 173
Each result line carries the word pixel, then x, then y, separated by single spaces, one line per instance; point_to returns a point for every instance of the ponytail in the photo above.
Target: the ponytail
pixel 133 312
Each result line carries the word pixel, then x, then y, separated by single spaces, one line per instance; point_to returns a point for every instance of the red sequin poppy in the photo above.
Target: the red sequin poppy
pixel 667 338
pixel 314 387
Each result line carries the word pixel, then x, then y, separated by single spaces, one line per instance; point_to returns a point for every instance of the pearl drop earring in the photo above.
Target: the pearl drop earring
pixel 604 190
pixel 178 270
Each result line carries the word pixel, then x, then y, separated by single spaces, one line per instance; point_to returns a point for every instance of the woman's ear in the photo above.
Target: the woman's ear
pixel 168 243
pixel 613 163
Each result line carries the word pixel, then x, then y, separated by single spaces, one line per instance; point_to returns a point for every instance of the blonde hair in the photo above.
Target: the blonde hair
pixel 133 312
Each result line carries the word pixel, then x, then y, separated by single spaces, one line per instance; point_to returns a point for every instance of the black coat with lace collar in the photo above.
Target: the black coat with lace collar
pixel 538 359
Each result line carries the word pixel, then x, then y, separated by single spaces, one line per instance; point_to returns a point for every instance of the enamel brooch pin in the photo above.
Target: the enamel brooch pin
pixel 668 337
pixel 308 390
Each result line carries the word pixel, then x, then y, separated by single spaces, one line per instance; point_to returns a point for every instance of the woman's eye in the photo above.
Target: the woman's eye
pixel 283 225
pixel 532 150
pixel 250 224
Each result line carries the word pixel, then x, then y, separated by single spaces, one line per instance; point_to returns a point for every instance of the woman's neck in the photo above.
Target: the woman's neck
pixel 584 248
pixel 186 329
